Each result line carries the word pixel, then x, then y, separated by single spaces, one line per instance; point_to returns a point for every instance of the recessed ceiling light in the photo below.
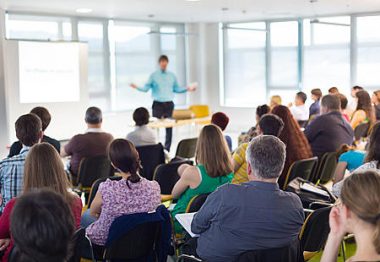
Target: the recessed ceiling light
pixel 83 10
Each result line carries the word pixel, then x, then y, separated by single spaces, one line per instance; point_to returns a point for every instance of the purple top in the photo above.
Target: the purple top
pixel 118 199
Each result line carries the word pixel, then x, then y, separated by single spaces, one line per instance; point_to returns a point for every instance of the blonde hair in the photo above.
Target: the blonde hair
pixel 212 152
pixel 360 194
pixel 275 101
pixel 44 170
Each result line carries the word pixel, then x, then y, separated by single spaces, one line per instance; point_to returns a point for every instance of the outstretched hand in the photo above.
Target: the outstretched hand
pixel 134 86
pixel 192 87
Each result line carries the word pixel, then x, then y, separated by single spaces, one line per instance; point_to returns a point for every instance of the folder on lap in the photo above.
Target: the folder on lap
pixel 185 221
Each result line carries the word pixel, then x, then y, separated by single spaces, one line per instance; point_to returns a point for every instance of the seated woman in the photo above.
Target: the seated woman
pixel 275 101
pixel 213 169
pixel 297 146
pixel 359 214
pixel 221 120
pixel 376 103
pixel 364 112
pixel 132 194
pixel 372 159
pixel 349 159
pixel 142 135
pixel 43 170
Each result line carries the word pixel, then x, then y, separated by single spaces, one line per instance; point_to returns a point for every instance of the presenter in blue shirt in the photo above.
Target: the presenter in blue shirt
pixel 164 85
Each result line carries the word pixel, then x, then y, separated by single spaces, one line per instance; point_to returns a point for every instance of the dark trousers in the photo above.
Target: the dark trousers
pixel 164 110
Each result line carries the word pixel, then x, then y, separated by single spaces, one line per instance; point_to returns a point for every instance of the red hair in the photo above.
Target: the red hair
pixel 297 146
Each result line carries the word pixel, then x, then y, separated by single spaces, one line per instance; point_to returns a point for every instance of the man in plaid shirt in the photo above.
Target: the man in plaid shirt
pixel 28 132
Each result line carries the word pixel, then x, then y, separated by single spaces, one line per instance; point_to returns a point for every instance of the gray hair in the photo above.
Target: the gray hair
pixel 266 156
pixel 331 102
pixel 94 115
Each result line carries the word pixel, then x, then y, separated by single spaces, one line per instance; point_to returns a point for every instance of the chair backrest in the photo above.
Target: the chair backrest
pixel 327 168
pixel 151 156
pixel 196 203
pixel 81 244
pixel 93 168
pixel 291 252
pixel 167 176
pixel 361 131
pixel 315 230
pixel 200 110
pixel 95 187
pixel 302 168
pixel 186 148
pixel 138 244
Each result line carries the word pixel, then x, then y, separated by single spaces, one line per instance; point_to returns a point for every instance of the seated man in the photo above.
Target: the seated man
pixel 254 215
pixel 29 132
pixel 329 130
pixel 47 219
pixel 45 117
pixel 221 120
pixel 299 110
pixel 93 143
pixel 142 135
pixel 268 124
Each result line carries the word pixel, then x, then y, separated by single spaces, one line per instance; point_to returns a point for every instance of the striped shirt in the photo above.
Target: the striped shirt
pixel 12 176
pixel 240 176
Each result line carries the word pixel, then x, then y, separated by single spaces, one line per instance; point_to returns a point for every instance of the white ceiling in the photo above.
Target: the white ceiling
pixel 202 11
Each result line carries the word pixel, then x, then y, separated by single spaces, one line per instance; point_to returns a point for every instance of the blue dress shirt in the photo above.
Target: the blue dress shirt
pixel 239 218
pixel 164 85
pixel 12 176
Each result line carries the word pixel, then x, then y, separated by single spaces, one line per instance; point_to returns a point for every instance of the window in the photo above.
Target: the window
pixel 368 52
pixel 284 54
pixel 135 59
pixel 327 53
pixel 244 64
pixel 37 28
pixel 98 74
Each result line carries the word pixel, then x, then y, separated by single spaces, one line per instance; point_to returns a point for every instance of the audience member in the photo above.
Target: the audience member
pixel 351 107
pixel 93 143
pixel 314 109
pixel 349 159
pixel 260 111
pixel 43 170
pixel 357 214
pixel 376 103
pixel 45 117
pixel 364 112
pixel 275 101
pixel 42 228
pixel 371 160
pixel 299 110
pixel 28 132
pixel 213 169
pixel 343 107
pixel 132 194
pixel 330 130
pixel 297 146
pixel 251 216
pixel 221 120
pixel 269 124
pixel 333 90
pixel 142 135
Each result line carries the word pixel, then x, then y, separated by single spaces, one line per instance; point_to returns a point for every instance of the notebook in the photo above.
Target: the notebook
pixel 185 221
pixel 310 188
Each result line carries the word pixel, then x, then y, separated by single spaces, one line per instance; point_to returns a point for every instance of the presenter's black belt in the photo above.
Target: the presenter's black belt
pixel 163 109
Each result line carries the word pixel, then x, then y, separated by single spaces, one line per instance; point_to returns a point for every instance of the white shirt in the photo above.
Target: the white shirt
pixel 142 136
pixel 300 113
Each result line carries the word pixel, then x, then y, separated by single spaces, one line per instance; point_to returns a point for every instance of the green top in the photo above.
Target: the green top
pixel 207 185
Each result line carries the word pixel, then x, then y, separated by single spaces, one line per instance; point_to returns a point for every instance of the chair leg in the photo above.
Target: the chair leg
pixel 343 245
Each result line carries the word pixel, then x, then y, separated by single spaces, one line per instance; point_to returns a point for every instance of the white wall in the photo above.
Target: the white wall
pixel 4 135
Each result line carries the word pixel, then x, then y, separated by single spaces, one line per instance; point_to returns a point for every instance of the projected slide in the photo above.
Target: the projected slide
pixel 49 72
